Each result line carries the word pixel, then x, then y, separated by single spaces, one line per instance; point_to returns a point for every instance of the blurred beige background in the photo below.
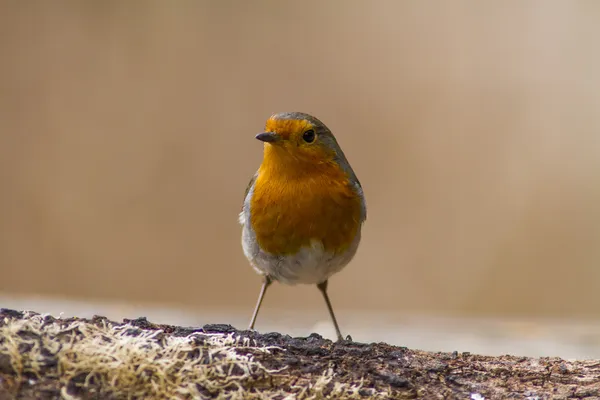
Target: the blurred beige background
pixel 127 140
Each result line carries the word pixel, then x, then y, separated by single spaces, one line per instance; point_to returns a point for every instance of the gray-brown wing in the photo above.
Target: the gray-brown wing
pixel 328 138
pixel 250 184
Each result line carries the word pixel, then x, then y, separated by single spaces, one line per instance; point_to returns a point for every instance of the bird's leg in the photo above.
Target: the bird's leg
pixel 266 282
pixel 323 288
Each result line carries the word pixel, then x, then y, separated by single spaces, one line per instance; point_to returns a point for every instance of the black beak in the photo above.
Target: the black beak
pixel 268 137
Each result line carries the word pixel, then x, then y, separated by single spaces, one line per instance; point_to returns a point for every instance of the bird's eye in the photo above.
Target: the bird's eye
pixel 309 136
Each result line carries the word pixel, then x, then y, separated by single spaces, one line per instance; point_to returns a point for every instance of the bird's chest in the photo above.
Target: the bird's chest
pixel 288 215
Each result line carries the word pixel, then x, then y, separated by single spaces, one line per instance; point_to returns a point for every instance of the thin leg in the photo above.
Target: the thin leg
pixel 323 288
pixel 266 282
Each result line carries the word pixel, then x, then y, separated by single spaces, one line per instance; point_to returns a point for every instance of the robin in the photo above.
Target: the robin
pixel 303 209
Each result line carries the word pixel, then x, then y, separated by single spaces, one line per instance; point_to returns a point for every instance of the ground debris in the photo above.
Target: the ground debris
pixel 42 357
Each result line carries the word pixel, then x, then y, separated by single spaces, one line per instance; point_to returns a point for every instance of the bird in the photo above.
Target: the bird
pixel 303 209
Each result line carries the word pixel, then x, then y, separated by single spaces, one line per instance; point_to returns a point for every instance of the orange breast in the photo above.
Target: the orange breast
pixel 288 211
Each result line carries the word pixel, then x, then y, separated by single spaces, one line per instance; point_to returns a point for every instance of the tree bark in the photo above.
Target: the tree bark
pixel 45 358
